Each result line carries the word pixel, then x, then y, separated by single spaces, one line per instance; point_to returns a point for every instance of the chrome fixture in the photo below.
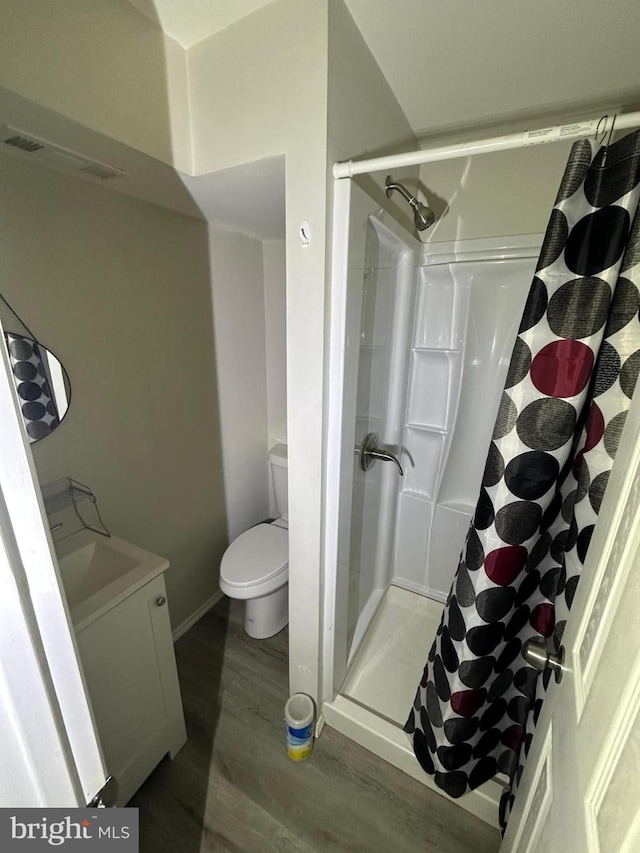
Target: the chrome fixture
pixel 106 796
pixel 423 216
pixel 536 655
pixel 369 451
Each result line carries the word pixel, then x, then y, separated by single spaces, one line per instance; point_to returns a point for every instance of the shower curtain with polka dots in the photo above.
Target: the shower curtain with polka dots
pixel 571 377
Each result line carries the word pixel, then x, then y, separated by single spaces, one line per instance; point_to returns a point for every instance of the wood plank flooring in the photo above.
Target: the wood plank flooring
pixel 232 788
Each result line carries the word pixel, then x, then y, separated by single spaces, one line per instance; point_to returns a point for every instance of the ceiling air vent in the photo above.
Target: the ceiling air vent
pixel 23 143
pixel 55 156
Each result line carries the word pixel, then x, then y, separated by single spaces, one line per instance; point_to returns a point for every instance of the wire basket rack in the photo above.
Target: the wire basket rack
pixel 69 494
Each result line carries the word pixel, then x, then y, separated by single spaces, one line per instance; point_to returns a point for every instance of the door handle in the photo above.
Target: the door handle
pixel 536 655
pixel 369 451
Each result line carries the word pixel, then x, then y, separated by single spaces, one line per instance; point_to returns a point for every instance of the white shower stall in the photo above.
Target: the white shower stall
pixel 421 337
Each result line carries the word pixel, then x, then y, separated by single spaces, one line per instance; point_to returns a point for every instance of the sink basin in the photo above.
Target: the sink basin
pixel 99 571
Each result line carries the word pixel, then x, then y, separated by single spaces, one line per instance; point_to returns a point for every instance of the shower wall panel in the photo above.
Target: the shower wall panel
pixel 468 305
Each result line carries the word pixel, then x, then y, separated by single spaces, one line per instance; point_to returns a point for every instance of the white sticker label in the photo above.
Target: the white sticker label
pixel 561 131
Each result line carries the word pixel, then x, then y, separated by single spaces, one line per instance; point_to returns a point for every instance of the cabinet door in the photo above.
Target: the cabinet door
pixel 129 664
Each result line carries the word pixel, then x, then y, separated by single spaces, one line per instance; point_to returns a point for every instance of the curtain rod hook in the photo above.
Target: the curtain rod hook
pixel 608 142
pixel 605 133
pixel 601 132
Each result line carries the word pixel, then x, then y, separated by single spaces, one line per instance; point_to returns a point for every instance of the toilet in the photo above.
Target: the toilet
pixel 255 567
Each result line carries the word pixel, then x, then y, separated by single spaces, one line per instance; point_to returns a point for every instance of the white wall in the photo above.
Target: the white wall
pixel 364 117
pixel 493 195
pixel 103 64
pixel 306 85
pixel 275 308
pixel 258 88
pixel 120 290
pixel 249 313
pixel 273 101
pixel 240 345
pixel 303 83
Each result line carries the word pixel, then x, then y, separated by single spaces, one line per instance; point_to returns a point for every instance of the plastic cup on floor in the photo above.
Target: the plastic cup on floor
pixel 299 714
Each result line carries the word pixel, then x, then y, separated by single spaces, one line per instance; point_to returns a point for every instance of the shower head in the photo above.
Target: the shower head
pixel 423 216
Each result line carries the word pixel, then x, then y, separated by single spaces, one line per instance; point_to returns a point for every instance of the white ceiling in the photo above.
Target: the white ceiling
pixel 464 63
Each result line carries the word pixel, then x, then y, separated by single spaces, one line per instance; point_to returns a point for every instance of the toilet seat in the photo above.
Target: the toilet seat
pixel 256 563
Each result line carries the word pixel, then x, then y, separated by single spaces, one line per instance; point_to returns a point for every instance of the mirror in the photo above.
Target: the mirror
pixel 42 383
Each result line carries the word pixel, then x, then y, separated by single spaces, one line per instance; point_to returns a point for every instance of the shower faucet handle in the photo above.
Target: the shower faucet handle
pixel 369 451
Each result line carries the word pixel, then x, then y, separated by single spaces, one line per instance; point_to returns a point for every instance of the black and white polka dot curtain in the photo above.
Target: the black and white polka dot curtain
pixel 571 377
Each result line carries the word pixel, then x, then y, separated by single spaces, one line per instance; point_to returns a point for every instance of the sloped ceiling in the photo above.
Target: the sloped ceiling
pixel 454 63
pixel 466 63
pixel 190 21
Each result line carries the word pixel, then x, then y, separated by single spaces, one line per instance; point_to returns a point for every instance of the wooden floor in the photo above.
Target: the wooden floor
pixel 232 788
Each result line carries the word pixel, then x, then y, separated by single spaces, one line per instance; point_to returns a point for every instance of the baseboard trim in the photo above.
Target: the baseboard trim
pixel 390 743
pixel 190 621
pixel 320 724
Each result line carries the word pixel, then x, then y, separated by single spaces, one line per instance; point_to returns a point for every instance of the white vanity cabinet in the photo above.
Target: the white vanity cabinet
pixel 130 669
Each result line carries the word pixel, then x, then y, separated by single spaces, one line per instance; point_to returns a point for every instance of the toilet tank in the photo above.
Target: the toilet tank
pixel 278 461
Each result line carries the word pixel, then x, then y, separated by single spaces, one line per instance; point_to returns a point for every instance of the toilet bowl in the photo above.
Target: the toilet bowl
pixel 255 567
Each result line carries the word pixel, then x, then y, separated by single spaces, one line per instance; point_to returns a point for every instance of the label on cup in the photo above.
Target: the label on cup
pixel 301 734
pixel 299 752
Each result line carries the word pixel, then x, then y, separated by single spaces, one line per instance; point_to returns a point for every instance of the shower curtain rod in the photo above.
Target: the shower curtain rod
pixel 482 146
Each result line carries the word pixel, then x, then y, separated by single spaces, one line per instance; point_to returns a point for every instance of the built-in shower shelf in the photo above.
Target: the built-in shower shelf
pixel 429 428
pixel 443 350
pixel 458 506
pixel 418 495
pixel 421 459
pixel 432 387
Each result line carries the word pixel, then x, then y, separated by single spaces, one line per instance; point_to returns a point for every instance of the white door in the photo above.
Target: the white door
pixel 373 284
pixel 580 791
pixel 50 750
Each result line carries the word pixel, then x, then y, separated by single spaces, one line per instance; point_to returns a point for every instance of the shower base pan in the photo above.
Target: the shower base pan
pixel 374 701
